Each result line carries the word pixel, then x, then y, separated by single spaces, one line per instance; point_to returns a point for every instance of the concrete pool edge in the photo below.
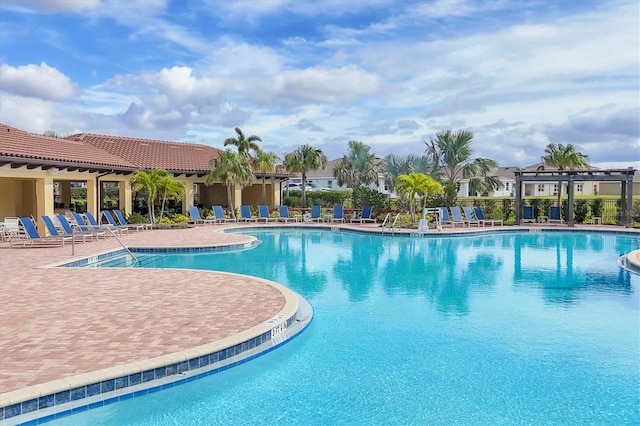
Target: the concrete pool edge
pixel 69 395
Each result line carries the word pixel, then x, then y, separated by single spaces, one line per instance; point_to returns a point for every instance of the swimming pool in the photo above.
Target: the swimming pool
pixel 493 329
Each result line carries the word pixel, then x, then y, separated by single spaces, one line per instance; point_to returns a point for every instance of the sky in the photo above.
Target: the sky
pixel 390 73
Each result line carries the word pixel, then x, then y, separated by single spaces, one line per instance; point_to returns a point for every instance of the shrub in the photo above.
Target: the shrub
pixel 366 196
pixel 137 218
pixel 580 211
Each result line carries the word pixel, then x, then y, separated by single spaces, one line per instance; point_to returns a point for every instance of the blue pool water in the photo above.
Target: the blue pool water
pixel 511 328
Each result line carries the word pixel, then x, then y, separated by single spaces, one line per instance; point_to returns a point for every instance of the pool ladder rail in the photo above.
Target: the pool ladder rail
pixel 387 218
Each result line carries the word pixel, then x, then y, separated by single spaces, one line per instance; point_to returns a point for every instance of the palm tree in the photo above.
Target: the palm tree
pixel 169 187
pixel 265 162
pixel 564 157
pixel 244 145
pixel 395 166
pixel 302 160
pixel 358 167
pixel 451 152
pixel 231 169
pixel 148 182
pixel 415 185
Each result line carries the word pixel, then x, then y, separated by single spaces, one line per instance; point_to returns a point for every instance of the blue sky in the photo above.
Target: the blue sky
pixel 518 74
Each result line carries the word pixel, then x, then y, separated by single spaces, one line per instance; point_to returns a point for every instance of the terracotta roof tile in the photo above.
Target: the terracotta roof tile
pixel 18 143
pixel 149 154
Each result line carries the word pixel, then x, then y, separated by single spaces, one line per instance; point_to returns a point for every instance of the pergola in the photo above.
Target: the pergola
pixel 624 176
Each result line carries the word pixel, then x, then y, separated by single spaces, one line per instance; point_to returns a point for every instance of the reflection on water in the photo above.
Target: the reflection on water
pixel 445 271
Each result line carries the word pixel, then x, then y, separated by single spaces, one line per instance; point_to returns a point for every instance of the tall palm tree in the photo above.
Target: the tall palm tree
pixel 304 159
pixel 414 186
pixel 451 152
pixel 169 187
pixel 564 157
pixel 358 167
pixel 265 162
pixel 395 166
pixel 244 145
pixel 231 169
pixel 148 182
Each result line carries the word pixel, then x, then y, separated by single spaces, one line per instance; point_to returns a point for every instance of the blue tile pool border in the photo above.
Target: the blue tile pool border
pixel 141 383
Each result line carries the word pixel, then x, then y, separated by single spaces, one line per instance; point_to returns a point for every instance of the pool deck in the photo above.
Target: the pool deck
pixel 61 322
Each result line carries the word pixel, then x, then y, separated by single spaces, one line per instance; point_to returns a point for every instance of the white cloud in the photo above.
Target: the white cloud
pixel 38 81
pixel 51 6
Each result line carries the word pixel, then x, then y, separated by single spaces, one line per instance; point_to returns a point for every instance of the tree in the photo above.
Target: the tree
pixel 359 167
pixel 148 182
pixel 451 152
pixel 231 169
pixel 395 166
pixel 244 145
pixel 168 187
pixel 564 157
pixel 265 162
pixel 414 186
pixel 304 159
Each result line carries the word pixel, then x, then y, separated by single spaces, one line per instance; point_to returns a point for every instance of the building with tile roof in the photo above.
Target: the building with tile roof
pixel 37 172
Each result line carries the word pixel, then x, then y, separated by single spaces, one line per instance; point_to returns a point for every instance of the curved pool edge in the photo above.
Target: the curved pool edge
pixel 631 262
pixel 70 395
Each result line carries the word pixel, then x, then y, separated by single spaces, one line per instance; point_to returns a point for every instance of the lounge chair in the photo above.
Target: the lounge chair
pixel 32 236
pixel 94 223
pixel 528 215
pixel 457 216
pixel 53 230
pixel 114 225
pixel 82 226
pixel 555 214
pixel 366 216
pixel 219 216
pixel 483 220
pixel 338 213
pixel 136 226
pixel 263 213
pixel 470 215
pixel 316 214
pixel 196 218
pixel 11 228
pixel 245 214
pixel 283 211
pixel 69 230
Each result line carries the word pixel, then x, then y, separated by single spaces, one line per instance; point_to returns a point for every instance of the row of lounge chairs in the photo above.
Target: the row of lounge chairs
pixel 73 227
pixel 472 216
pixel 315 215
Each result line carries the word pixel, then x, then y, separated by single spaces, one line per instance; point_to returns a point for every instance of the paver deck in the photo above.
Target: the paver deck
pixel 59 322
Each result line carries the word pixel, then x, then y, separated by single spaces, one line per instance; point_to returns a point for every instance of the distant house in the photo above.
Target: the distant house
pixel 324 177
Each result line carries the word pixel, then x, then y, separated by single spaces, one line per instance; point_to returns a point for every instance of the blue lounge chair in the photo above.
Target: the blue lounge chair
pixel 457 216
pixel 245 214
pixel 136 226
pixel 338 213
pixel 69 231
pixel 470 215
pixel 366 216
pixel 94 223
pixel 555 214
pixel 219 216
pixel 316 214
pixel 196 218
pixel 83 227
pixel 53 230
pixel 32 237
pixel 528 215
pixel 283 211
pixel 263 213
pixel 480 216
pixel 113 224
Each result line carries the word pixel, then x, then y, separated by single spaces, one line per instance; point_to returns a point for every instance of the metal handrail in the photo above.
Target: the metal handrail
pixel 393 226
pixel 73 246
pixel 385 220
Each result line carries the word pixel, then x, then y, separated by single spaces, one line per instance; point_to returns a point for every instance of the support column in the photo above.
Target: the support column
pixel 44 200
pixel 570 190
pixel 629 218
pixel 518 203
pixel 92 197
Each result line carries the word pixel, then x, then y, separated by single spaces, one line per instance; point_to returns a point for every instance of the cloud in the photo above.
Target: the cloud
pixel 37 81
pixel 49 6
pixel 331 86
pixel 305 124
